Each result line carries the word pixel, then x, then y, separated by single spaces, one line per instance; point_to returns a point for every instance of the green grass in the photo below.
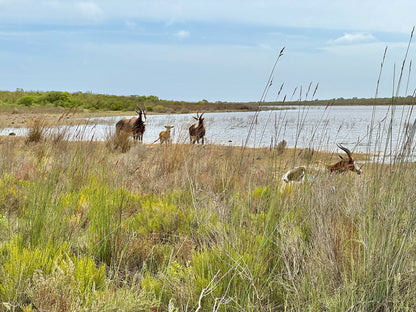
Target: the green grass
pixel 87 227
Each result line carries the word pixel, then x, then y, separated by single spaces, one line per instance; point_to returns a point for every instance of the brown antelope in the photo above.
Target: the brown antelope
pixel 345 164
pixel 164 136
pixel 197 132
pixel 134 126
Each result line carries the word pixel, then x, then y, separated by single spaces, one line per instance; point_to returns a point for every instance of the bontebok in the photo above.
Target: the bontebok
pixel 343 165
pixel 134 126
pixel 197 132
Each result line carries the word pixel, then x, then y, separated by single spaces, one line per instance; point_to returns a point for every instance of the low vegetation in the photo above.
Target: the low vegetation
pixel 98 226
pixel 27 100
pixel 24 100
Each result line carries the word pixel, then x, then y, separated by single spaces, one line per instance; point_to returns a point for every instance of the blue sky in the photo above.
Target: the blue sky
pixel 216 50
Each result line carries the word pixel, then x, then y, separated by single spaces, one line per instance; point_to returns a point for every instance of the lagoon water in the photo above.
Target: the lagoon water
pixel 360 128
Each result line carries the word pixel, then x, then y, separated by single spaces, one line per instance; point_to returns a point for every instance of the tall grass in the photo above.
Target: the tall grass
pixel 180 227
pixel 90 226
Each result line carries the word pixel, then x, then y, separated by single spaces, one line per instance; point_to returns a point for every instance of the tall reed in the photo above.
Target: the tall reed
pixel 201 228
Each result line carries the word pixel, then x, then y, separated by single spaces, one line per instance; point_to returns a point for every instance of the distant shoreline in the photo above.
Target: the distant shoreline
pixel 16 116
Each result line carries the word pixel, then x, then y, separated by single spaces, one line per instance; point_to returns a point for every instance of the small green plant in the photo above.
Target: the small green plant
pixel 4 227
pixel 47 272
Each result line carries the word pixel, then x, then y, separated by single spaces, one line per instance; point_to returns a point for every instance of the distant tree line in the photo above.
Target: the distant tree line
pixel 85 100
pixel 91 101
pixel 409 100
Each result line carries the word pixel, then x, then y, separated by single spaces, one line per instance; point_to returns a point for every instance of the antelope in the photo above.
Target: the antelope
pixel 164 136
pixel 297 174
pixel 197 132
pixel 134 126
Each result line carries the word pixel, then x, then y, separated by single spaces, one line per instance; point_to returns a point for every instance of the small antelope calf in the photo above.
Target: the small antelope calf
pixel 164 136
pixel 345 164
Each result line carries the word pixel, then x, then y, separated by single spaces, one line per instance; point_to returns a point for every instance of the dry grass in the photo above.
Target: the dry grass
pixel 170 220
pixel 36 131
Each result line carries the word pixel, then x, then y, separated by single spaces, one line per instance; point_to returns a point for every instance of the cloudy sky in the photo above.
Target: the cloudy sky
pixel 219 50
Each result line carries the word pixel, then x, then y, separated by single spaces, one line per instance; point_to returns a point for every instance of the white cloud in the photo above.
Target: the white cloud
pixel 11 3
pixel 52 4
pixel 354 38
pixel 317 14
pixel 90 9
pixel 130 25
pixel 182 34
pixel 324 14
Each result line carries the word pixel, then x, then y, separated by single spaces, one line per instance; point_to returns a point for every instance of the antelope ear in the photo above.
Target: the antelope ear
pixel 166 127
pixel 341 157
pixel 196 118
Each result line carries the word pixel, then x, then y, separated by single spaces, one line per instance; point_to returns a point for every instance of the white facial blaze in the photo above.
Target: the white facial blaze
pixel 357 169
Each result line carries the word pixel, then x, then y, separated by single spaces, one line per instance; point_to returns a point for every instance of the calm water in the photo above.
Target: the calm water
pixel 317 127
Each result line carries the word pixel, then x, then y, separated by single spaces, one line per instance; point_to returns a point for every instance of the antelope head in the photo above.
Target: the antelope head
pixel 345 164
pixel 141 113
pixel 199 118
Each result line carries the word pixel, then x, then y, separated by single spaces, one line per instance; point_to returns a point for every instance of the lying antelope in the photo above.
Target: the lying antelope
pixel 197 132
pixel 164 136
pixel 134 126
pixel 345 164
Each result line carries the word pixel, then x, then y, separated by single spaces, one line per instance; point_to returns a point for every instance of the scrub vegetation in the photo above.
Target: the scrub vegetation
pixel 28 100
pixel 116 226
pixel 182 227
pixel 10 100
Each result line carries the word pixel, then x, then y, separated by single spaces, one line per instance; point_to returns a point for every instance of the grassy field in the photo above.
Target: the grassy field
pixel 87 227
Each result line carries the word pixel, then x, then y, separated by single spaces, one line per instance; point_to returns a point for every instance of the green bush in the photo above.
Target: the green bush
pixel 56 98
pixel 21 267
pixel 159 216
pixel 26 100
pixel 158 108
pixel 116 105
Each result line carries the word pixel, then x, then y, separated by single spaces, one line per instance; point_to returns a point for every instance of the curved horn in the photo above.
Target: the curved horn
pixel 346 150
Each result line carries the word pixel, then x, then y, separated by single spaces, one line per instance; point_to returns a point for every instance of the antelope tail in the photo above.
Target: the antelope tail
pixel 155 141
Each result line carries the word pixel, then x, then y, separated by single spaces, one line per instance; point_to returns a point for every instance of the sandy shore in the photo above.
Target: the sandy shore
pixel 18 118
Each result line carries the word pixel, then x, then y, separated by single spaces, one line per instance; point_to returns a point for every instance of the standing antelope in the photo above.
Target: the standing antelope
pixel 298 174
pixel 197 132
pixel 164 136
pixel 134 126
